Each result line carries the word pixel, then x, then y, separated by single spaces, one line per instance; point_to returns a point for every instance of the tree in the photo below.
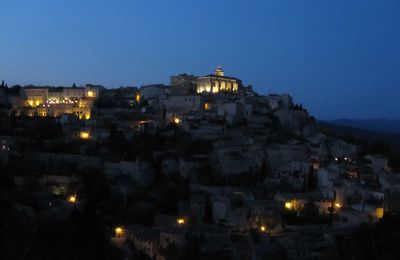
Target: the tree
pixel 373 241
pixel 14 90
pixel 96 189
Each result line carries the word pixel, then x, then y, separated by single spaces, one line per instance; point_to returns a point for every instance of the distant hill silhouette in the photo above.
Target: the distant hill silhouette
pixel 380 125
pixel 390 138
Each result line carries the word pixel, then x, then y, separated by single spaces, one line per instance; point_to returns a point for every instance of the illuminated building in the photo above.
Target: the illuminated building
pixel 218 82
pixel 56 101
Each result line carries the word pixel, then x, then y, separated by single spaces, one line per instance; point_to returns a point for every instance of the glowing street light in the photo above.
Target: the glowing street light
pixel 84 135
pixel 119 231
pixel 177 120
pixel 263 228
pixel 72 198
pixel 338 205
pixel 288 205
pixel 180 221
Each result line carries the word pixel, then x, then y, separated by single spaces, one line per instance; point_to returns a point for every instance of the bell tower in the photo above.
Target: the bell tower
pixel 219 71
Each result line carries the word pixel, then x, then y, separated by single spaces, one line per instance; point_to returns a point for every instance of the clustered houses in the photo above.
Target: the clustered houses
pixel 259 173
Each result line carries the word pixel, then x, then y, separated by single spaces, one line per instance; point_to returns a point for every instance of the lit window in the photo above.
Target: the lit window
pixel 90 93
pixel 379 212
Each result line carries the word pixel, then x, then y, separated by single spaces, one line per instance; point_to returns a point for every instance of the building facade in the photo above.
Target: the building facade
pixel 218 82
pixel 50 101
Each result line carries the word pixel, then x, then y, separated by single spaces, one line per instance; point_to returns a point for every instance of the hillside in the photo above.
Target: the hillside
pixel 359 134
pixel 379 125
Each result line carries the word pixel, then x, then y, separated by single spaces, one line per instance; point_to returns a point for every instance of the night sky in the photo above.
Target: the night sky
pixel 340 59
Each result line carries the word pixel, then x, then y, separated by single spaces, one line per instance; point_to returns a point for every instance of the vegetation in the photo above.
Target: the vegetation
pixel 82 235
pixel 371 241
pixel 371 142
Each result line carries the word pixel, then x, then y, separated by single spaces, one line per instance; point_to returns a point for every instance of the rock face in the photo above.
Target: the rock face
pixel 246 150
pixel 237 156
pixel 295 121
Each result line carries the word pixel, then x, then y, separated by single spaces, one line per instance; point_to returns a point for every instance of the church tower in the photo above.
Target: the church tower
pixel 219 71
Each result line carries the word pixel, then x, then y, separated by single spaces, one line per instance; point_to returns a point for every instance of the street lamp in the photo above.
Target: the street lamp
pixel 119 231
pixel 263 228
pixel 72 198
pixel 177 120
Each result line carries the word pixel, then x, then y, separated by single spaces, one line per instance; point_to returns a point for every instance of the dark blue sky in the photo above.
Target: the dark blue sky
pixel 338 58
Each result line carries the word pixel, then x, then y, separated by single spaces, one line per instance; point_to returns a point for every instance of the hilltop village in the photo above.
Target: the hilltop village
pixel 203 168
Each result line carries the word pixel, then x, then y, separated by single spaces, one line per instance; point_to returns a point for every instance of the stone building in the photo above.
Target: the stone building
pixel 183 84
pixel 155 95
pixel 56 101
pixel 184 103
pixel 218 82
